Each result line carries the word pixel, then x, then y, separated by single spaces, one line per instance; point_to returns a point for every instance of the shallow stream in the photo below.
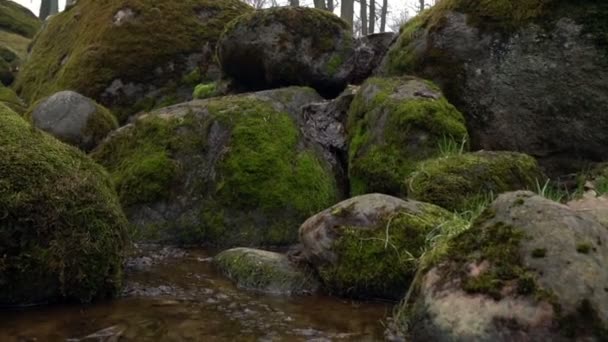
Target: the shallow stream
pixel 176 295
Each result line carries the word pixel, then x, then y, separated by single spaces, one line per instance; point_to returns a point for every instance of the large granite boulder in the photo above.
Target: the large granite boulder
pixel 62 231
pixel 73 119
pixel 232 170
pixel 128 55
pixel 286 46
pixel 529 269
pixel 529 76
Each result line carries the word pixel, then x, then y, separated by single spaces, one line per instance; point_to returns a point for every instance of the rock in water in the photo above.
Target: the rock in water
pixel 462 181
pixel 62 231
pixel 394 123
pixel 529 76
pixel 287 46
pixel 529 269
pixel 265 271
pixel 232 170
pixel 127 55
pixel 367 246
pixel 73 119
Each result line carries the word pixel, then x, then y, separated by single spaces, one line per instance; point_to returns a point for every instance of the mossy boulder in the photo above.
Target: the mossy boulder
pixel 227 170
pixel 62 231
pixel 11 100
pixel 127 55
pixel 285 46
pixel 394 123
pixel 533 269
pixel 73 119
pixel 462 181
pixel 18 19
pixel 265 271
pixel 367 246
pixel 510 67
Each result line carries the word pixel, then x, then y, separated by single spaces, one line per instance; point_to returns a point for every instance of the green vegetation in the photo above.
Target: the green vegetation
pixel 204 90
pixel 11 100
pixel 388 135
pixel 382 262
pixel 95 51
pixel 459 181
pixel 62 230
pixel 264 184
pixel 16 43
pixel 18 19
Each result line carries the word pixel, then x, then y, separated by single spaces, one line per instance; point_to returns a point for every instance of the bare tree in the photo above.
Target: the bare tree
pixel 294 3
pixel 257 4
pixel 399 20
pixel 347 11
pixel 372 16
pixel 421 6
pixel 383 15
pixel 320 4
pixel 363 17
pixel 48 7
pixel 331 6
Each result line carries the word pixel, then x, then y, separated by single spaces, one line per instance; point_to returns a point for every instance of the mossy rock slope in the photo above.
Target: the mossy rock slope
pixel 73 119
pixel 128 55
pixel 62 231
pixel 532 268
pixel 228 170
pixel 18 19
pixel 286 46
pixel 11 100
pixel 460 182
pixel 265 271
pixel 368 246
pixel 510 67
pixel 394 123
pixel 17 26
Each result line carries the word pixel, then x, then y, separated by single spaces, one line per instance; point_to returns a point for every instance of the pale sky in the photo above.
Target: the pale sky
pixel 396 7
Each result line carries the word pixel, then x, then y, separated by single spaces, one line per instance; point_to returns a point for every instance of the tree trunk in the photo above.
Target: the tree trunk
pixel 69 2
pixel 372 17
pixel 347 11
pixel 383 15
pixel 320 4
pixel 330 6
pixel 48 7
pixel 421 6
pixel 294 3
pixel 364 17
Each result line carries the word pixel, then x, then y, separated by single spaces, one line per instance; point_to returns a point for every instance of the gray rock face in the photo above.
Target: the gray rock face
pixel 265 271
pixel 369 52
pixel 73 119
pixel 540 89
pixel 286 46
pixel 529 270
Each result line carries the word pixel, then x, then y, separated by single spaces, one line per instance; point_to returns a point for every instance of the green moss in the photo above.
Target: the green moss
pixel 62 230
pixel 11 100
pixel 381 262
pixel 204 90
pixel 334 64
pixel 17 19
pixel 584 248
pixel 263 186
pixel 264 271
pixel 384 133
pixel 193 78
pixel 94 52
pixel 456 181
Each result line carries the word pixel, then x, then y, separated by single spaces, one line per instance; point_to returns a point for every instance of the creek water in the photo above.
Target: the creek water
pixel 176 295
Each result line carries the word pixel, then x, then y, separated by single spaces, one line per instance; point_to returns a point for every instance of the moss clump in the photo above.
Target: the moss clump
pixel 62 230
pixel 204 90
pixel 455 182
pixel 18 19
pixel 381 262
pixel 388 135
pixel 584 248
pixel 539 253
pixel 148 47
pixel 11 100
pixel 253 186
pixel 264 271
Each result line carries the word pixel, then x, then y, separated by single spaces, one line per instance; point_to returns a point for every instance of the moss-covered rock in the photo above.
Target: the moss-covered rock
pixel 394 123
pixel 368 246
pixel 204 90
pixel 127 55
pixel 228 170
pixel 62 231
pixel 73 119
pixel 288 46
pixel 11 100
pixel 18 19
pixel 265 271
pixel 459 182
pixel 496 60
pixel 533 269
